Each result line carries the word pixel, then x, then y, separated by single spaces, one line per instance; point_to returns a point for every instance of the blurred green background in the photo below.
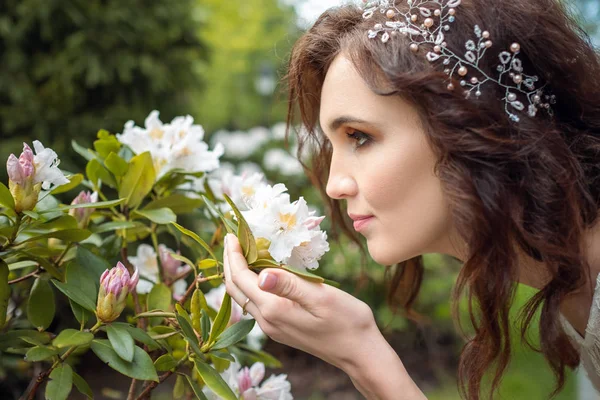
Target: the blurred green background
pixel 71 67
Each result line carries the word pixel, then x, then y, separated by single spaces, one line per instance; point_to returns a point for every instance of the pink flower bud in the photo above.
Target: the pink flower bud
pixel 244 380
pixel 115 285
pixel 82 215
pixel 170 265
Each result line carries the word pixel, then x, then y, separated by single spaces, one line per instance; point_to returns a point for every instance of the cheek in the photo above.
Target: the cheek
pixel 411 208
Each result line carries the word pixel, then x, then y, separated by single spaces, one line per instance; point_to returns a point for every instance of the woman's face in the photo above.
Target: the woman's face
pixel 383 167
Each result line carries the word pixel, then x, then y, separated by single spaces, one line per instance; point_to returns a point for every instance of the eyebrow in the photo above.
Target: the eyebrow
pixel 339 121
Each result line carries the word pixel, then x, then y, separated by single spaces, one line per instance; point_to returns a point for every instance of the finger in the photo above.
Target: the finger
pixel 242 277
pixel 285 284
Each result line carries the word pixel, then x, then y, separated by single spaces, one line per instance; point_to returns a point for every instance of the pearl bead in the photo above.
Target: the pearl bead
pixel 390 14
pixel 428 22
pixel 488 43
pixel 512 97
pixel 515 47
pixel 414 47
pixel 444 44
pixel 537 99
pixel 474 80
pixel 478 93
pixel 452 11
pixel 414 18
pixel 437 49
pixel 437 13
pixel 462 71
pixel 450 86
pixel 394 33
pixel 485 34
pixel 378 26
pixel 518 79
pixel 447 71
pixel 463 83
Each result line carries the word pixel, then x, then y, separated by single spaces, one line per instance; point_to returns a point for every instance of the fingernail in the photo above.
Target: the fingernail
pixel 267 281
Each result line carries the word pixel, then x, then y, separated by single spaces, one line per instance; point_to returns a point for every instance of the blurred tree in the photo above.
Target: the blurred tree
pixel 589 11
pixel 245 39
pixel 71 67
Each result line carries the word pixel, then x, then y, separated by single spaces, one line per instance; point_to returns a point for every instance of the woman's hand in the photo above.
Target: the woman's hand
pixel 316 318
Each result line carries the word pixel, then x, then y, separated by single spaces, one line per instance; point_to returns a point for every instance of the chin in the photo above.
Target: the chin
pixel 386 255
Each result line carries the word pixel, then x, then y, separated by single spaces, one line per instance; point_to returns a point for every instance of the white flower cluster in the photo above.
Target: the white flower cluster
pixel 178 145
pixel 246 383
pixel 290 228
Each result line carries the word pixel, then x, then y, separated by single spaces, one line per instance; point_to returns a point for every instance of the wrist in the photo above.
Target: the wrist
pixel 377 371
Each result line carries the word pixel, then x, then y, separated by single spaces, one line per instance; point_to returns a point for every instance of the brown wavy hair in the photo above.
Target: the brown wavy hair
pixel 531 187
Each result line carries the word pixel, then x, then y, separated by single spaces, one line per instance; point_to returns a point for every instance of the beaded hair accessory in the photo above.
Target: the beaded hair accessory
pixel 419 25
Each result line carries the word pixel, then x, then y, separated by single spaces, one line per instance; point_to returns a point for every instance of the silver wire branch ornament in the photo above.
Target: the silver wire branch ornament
pixel 419 24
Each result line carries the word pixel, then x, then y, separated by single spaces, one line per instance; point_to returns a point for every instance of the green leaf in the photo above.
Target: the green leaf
pixel 82 386
pixel 77 275
pixel 116 164
pixel 4 292
pixel 184 322
pixel 178 203
pixel 244 234
pixel 48 266
pixel 159 216
pixel 121 341
pixel 183 259
pixel 91 262
pixel 21 264
pixel 222 355
pixel 107 144
pixel 97 172
pixel 139 180
pixel 32 214
pixel 234 334
pixel 98 205
pixel 6 198
pixel 214 381
pixel 197 304
pixel 254 355
pixel 41 307
pixel 205 324
pixel 74 181
pixel 39 353
pixel 139 335
pixel 113 226
pixel 155 314
pixel 159 298
pixel 72 337
pixel 81 314
pixel 60 384
pixel 179 388
pixel 82 151
pixel 197 391
pixel 207 263
pixel 140 368
pixel 15 338
pixel 62 222
pixel 222 319
pixel 165 362
pixel 68 235
pixel 303 274
pixel 197 238
pixel 77 295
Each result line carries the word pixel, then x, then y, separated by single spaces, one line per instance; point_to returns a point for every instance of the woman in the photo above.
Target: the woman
pixel 434 139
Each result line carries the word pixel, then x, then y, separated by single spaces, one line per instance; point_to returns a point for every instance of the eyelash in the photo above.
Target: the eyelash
pixel 361 139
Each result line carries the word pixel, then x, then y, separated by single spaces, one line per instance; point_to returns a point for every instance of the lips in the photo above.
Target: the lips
pixel 361 221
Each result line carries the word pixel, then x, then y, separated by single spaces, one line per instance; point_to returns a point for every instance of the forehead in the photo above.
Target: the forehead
pixel 345 93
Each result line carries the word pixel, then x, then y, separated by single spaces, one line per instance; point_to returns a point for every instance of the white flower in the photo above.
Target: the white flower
pixel 308 254
pixel 146 262
pixel 46 167
pixel 245 382
pixel 279 160
pixel 178 145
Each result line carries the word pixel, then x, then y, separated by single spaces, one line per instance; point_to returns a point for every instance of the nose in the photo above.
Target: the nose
pixel 341 183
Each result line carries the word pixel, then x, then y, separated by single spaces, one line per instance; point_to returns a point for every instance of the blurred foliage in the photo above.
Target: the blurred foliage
pixel 244 39
pixel 70 67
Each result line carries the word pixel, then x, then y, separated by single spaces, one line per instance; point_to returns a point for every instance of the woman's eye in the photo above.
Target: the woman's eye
pixel 359 137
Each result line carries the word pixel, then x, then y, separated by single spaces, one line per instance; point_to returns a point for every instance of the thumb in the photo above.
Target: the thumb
pixel 285 284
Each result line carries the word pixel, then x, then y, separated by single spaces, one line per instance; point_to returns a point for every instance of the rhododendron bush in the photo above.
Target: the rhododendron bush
pixel 137 257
